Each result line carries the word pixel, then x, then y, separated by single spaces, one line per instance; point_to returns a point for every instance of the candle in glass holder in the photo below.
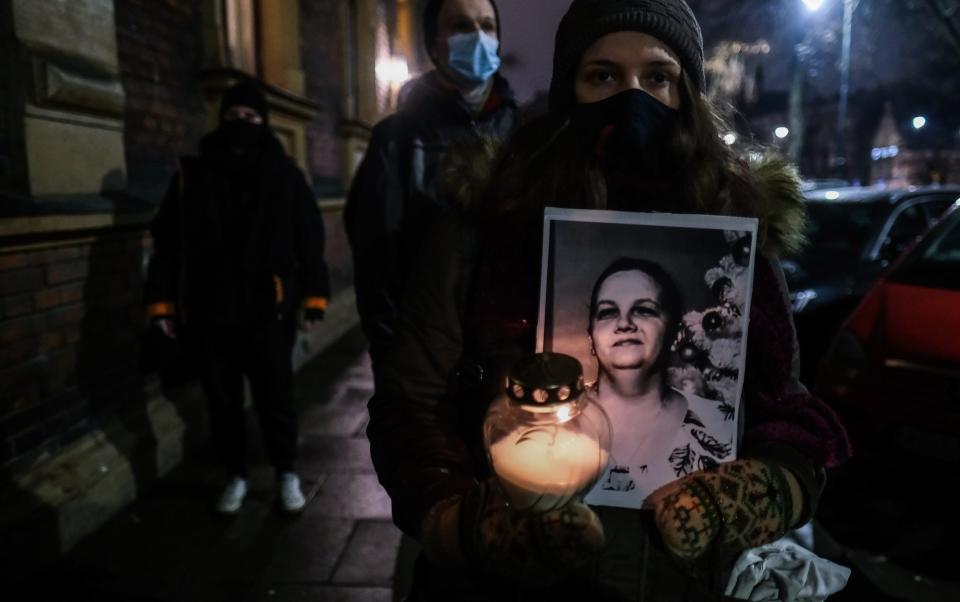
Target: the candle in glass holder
pixel 543 468
pixel 547 442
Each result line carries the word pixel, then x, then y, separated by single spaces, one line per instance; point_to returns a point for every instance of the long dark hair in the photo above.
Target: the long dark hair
pixel 546 163
pixel 670 301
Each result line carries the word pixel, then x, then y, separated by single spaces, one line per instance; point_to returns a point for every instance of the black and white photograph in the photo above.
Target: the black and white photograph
pixel 655 308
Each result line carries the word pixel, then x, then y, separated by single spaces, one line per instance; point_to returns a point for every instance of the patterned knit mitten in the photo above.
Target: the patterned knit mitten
pixel 486 534
pixel 743 504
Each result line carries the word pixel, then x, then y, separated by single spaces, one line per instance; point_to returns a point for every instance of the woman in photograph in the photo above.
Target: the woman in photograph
pixel 659 433
pixel 629 128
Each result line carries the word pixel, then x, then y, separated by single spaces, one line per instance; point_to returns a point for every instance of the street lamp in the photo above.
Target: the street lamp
pixel 795 103
pixel 840 160
pixel 849 6
pixel 919 122
pixel 781 132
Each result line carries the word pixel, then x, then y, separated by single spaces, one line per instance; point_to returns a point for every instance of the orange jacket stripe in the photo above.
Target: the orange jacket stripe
pixel 315 303
pixel 161 308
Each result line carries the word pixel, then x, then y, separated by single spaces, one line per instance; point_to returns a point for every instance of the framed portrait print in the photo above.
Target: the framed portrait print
pixel 655 306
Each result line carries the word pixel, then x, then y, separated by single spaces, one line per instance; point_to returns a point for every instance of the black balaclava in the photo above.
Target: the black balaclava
pixel 248 94
pixel 431 15
pixel 239 134
pixel 626 130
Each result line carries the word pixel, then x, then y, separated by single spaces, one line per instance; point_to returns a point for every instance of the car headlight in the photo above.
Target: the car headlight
pixel 800 299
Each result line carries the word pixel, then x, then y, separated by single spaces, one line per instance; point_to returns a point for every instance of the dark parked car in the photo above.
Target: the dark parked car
pixel 812 185
pixel 893 371
pixel 854 234
pixel 893 375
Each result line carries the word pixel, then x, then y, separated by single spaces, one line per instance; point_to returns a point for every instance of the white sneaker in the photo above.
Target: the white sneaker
pixel 232 497
pixel 291 498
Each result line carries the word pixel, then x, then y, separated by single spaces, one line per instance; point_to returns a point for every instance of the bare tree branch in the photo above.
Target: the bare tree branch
pixel 946 19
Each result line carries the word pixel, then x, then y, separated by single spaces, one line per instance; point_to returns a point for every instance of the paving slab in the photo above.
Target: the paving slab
pixel 357 496
pixel 169 545
pixel 332 455
pixel 371 555
pixel 342 420
pixel 304 550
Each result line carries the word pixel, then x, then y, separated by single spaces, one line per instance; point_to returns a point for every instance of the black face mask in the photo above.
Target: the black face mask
pixel 628 130
pixel 241 136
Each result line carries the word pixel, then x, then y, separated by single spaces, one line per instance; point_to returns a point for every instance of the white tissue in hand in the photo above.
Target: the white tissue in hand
pixel 784 571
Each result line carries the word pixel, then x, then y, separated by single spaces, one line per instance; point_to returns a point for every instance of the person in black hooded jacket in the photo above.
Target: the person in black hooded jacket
pixel 238 252
pixel 397 192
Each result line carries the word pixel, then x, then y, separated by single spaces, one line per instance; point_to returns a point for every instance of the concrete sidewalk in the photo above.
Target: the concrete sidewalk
pixel 170 546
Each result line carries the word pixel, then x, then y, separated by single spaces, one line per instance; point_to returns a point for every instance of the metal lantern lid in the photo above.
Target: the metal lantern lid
pixel 545 378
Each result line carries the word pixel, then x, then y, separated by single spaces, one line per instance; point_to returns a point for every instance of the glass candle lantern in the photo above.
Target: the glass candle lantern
pixel 547 441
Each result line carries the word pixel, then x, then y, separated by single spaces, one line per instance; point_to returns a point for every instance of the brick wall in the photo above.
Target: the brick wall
pixel 70 319
pixel 160 49
pixel 70 309
pixel 321 46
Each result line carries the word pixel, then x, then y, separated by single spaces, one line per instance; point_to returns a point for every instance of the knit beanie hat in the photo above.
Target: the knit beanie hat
pixel 431 24
pixel 248 94
pixel 586 21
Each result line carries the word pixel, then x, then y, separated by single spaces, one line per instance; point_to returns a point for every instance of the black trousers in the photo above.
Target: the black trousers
pixel 262 353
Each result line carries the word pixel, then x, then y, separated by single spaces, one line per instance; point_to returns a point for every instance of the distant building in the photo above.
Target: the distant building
pixel 902 153
pixel 883 144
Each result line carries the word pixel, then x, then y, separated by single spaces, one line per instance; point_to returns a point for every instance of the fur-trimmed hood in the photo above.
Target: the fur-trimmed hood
pixel 779 204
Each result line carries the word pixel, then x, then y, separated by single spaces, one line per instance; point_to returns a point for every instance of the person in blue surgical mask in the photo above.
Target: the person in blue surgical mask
pixel 399 189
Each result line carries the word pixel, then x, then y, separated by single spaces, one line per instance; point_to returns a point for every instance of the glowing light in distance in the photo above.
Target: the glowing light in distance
pixel 393 70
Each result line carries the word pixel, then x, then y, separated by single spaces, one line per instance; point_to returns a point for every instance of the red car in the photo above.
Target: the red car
pixel 893 372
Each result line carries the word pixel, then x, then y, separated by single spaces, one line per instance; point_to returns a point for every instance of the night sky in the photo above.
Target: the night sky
pixel 894 42
pixel 528 30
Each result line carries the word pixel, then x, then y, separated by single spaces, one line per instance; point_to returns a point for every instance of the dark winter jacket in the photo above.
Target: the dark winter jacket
pixel 397 191
pixel 471 309
pixel 237 241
